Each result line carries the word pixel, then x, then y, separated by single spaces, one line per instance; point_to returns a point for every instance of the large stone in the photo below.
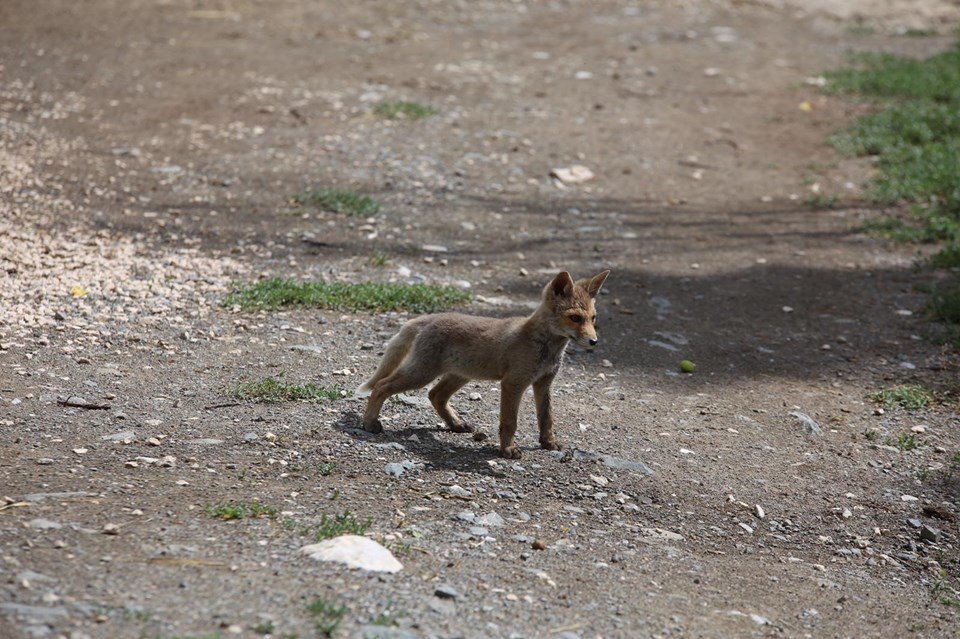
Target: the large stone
pixel 356 552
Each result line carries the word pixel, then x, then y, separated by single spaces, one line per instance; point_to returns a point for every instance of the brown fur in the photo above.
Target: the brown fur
pixel 519 352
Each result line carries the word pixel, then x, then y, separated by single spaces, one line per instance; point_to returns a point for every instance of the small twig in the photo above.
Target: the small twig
pixel 14 504
pixel 82 403
pixel 222 405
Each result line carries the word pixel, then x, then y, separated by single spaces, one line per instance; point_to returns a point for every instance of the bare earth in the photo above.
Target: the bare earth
pixel 148 154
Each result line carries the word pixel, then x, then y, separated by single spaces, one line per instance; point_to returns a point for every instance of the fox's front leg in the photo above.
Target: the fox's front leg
pixel 510 394
pixel 541 397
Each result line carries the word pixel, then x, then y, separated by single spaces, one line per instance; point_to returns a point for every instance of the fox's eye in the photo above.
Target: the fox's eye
pixel 576 319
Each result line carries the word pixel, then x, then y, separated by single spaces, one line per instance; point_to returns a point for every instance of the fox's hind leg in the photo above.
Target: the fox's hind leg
pixel 440 397
pixel 407 377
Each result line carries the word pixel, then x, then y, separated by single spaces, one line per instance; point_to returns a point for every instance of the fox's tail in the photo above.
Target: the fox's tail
pixel 397 349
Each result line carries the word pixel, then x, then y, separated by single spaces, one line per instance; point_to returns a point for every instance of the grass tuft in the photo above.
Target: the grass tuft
pixel 903 441
pixel 945 299
pixel 326 616
pixel 339 201
pixel 409 110
pixel 326 469
pixel 252 510
pixel 272 391
pixel 366 296
pixel 910 397
pixel 345 524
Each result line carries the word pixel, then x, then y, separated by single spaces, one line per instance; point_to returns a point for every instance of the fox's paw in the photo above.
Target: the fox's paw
pixel 461 428
pixel 551 445
pixel 511 452
pixel 374 427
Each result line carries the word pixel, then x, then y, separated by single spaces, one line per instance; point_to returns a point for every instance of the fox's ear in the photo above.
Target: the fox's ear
pixel 562 285
pixel 594 284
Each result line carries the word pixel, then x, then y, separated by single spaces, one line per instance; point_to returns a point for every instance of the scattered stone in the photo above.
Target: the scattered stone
pixel 456 491
pixel 390 446
pixel 44 461
pixel 111 529
pixel 250 437
pixel 126 437
pixel 929 534
pixel 810 426
pixel 44 524
pixel 491 519
pixel 34 615
pixel 479 531
pixel 759 620
pixel 38 497
pixel 394 469
pixel 915 523
pixel 659 535
pixel 446 591
pixel 758 511
pixel 356 552
pixel 383 632
pixel 575 174
pixel 746 527
pixel 607 460
pixel 475 397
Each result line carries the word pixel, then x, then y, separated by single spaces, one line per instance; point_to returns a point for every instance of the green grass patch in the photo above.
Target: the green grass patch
pixel 326 469
pixel 821 201
pixel 915 136
pixel 379 258
pixel 339 201
pixel 910 397
pixel 326 616
pixel 264 628
pixel 252 510
pixel 344 524
pixel 273 391
pixel 945 299
pixel 384 619
pixel 884 75
pixel 366 296
pixel 903 441
pixel 409 110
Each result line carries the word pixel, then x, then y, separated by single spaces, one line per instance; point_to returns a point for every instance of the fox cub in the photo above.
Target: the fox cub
pixel 518 352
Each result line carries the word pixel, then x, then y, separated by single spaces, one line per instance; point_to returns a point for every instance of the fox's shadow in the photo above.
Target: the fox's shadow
pixel 422 442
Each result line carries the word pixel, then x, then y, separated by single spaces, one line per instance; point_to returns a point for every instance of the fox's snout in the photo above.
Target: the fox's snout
pixel 593 341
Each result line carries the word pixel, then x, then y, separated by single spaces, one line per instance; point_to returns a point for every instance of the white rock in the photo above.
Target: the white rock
pixel 599 480
pixel 573 174
pixel 356 552
pixel 491 519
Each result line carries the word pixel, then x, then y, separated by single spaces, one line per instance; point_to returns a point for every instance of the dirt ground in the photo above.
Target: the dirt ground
pixel 148 155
